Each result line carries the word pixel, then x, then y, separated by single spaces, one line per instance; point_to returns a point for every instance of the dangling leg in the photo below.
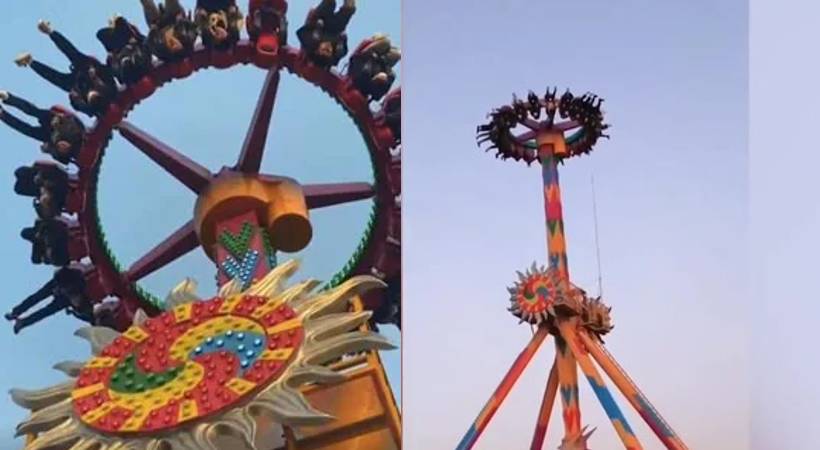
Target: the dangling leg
pixel 69 50
pixel 344 15
pixel 62 80
pixel 149 8
pixel 36 133
pixel 42 115
pixel 325 9
pixel 55 306
pixel 173 7
pixel 33 299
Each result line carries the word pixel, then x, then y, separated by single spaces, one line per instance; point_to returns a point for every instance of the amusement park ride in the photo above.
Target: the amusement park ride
pixel 225 372
pixel 527 131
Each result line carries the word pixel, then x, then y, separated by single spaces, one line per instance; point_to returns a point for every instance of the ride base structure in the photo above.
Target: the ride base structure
pixel 260 358
pixel 545 297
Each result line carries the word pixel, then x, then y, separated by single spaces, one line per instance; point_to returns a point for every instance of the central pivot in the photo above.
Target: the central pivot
pixel 277 202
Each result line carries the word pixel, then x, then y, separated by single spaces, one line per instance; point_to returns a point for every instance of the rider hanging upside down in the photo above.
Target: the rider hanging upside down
pixel 49 242
pixel 371 66
pixel 268 24
pixel 67 288
pixel 48 184
pixel 128 54
pixel 90 84
pixel 392 113
pixel 219 22
pixel 173 33
pixel 60 131
pixel 323 35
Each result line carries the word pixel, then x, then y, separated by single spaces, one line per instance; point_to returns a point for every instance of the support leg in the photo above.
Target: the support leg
pixel 614 413
pixel 630 390
pixel 546 409
pixel 501 392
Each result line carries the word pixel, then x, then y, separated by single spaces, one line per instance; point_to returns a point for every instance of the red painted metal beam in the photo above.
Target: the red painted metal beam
pixel 190 173
pixel 179 243
pixel 250 160
pixel 321 195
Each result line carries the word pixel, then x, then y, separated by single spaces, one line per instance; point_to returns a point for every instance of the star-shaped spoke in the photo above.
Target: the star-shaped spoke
pixel 198 178
pixel 250 159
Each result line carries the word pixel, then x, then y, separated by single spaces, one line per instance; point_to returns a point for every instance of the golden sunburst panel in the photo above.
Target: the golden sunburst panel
pixel 204 370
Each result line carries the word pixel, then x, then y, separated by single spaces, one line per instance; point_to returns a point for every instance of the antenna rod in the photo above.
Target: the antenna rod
pixel 597 243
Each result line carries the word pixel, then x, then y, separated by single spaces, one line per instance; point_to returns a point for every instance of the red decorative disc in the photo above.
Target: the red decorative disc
pixel 199 359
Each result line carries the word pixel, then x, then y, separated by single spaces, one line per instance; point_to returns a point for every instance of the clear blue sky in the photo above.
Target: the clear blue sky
pixel 204 116
pixel 672 204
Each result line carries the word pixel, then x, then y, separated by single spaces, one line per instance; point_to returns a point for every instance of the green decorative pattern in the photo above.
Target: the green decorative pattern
pixel 270 253
pixel 351 264
pixel 237 245
pixel 129 379
pixel 143 295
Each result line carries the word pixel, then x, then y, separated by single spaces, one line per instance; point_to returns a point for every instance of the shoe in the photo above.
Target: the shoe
pixel 18 325
pixel 23 60
pixel 10 316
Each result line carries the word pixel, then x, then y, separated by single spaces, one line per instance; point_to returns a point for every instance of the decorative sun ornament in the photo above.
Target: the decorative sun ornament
pixel 535 294
pixel 595 317
pixel 203 370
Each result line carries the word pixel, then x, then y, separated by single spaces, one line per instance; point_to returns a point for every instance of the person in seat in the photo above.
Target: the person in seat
pixel 90 84
pixel 60 131
pixel 219 23
pixel 323 35
pixel 48 184
pixel 67 290
pixel 268 24
pixel 392 113
pixel 128 54
pixel 49 241
pixel 371 66
pixel 172 32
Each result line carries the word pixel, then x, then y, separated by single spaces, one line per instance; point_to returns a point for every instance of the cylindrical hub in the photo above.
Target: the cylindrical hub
pixel 279 205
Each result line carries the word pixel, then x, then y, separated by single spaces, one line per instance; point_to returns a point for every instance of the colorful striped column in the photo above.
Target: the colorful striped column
pixel 548 143
pixel 546 410
pixel 243 250
pixel 568 387
pixel 556 243
pixel 630 390
pixel 616 416
pixel 502 391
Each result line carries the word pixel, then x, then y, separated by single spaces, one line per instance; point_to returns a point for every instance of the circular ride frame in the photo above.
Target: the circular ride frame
pixel 379 251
